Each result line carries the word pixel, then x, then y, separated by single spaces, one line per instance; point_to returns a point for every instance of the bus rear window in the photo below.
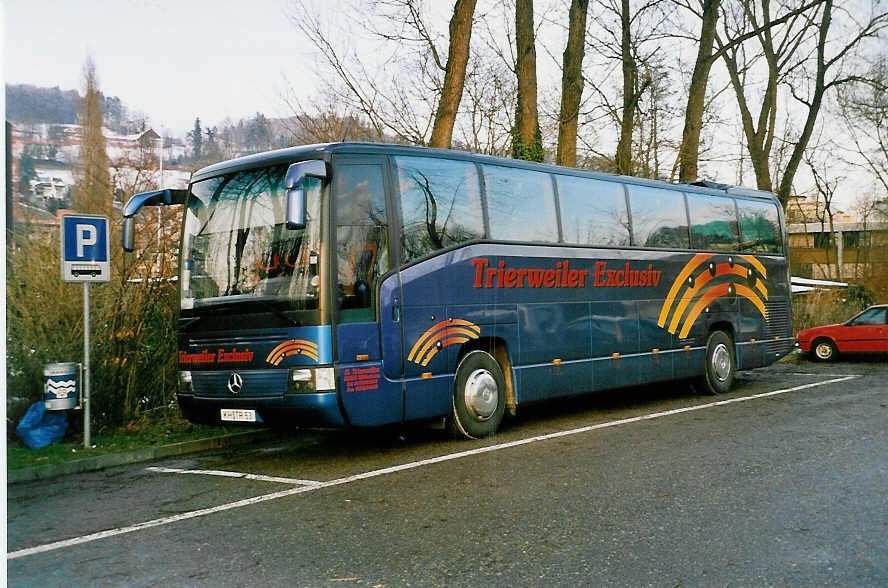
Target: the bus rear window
pixel 440 204
pixel 593 212
pixel 713 223
pixel 759 227
pixel 520 205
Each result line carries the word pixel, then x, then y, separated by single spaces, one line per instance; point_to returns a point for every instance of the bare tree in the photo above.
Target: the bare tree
pixel 454 73
pixel 825 190
pixel 690 144
pixel 782 54
pixel 572 83
pixel 811 96
pixel 420 103
pixel 863 108
pixel 708 12
pixel 527 140
pixel 487 124
pixel 633 87
pixel 656 111
pixel 624 41
pixel 400 107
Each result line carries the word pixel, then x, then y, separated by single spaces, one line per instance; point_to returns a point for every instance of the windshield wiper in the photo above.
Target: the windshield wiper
pixel 239 301
pixel 187 321
pixel 278 312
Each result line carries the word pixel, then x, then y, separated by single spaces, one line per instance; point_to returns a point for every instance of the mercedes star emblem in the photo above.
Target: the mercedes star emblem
pixel 235 383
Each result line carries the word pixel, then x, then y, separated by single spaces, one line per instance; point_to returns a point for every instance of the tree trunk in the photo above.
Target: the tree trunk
pixel 784 191
pixel 623 157
pixel 572 84
pixel 690 140
pixel 455 73
pixel 527 140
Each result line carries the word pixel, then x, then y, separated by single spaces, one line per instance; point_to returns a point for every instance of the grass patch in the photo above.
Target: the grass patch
pixel 150 431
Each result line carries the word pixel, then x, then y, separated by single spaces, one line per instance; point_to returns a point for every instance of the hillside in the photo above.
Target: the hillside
pixel 28 104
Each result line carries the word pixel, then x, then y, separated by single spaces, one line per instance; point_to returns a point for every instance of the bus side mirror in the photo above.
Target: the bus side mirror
pixel 166 197
pixel 296 204
pixel 129 234
pixel 296 208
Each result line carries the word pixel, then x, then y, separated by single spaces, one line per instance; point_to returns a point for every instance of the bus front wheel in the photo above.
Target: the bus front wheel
pixel 720 363
pixel 479 397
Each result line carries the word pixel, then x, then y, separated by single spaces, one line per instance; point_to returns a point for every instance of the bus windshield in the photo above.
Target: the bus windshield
pixel 236 247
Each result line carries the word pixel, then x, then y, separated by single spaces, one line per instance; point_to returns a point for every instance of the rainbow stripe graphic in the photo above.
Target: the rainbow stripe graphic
pixel 293 347
pixel 713 280
pixel 449 332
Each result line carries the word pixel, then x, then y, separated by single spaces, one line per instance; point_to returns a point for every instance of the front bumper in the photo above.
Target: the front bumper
pixel 303 410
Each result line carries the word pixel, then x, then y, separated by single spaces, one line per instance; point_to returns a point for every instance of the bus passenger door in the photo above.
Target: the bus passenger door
pixel 361 260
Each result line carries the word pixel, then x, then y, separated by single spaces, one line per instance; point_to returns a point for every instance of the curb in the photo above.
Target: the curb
pixel 109 460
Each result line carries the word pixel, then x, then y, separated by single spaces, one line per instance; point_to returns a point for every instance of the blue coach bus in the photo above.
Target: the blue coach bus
pixel 363 285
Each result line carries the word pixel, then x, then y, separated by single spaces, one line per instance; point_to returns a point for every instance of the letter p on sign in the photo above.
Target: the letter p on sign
pixel 86 235
pixel 85 250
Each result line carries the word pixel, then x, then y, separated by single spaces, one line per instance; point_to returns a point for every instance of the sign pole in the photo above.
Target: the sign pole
pixel 86 399
pixel 86 257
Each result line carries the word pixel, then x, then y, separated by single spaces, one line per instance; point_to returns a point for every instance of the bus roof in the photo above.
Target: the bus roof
pixel 325 151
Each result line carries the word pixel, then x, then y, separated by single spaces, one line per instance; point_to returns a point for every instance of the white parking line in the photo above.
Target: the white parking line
pixel 823 375
pixel 398 468
pixel 227 474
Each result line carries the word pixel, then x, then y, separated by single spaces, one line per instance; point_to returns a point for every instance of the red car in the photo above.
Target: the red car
pixel 866 332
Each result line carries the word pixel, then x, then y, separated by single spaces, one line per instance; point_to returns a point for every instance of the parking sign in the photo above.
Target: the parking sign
pixel 85 248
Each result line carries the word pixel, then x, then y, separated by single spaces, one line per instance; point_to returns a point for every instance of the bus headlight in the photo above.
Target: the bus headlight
pixel 325 379
pixel 185 385
pixel 308 381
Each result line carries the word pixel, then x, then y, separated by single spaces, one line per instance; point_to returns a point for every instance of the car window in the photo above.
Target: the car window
pixel 872 316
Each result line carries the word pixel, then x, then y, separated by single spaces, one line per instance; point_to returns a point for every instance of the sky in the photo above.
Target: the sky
pixel 172 60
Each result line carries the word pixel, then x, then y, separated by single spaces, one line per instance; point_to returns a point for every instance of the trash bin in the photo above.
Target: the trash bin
pixel 61 386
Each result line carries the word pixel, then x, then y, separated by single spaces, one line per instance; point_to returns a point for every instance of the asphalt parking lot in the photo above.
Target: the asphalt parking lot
pixel 781 481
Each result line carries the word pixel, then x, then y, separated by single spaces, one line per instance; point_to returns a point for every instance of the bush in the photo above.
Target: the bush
pixel 825 307
pixel 133 344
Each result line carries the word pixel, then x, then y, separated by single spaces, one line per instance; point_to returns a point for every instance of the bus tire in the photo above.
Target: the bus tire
pixel 720 363
pixel 479 397
pixel 823 350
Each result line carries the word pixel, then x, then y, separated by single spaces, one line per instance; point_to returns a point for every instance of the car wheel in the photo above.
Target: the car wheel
pixel 720 364
pixel 479 397
pixel 824 350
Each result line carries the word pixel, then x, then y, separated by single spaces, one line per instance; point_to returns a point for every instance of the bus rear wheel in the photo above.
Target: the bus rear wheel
pixel 720 363
pixel 479 397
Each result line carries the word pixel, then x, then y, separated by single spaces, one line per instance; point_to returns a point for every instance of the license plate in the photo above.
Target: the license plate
pixel 238 415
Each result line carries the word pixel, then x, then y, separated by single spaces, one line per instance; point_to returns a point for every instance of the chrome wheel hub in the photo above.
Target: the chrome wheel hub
pixel 721 362
pixel 481 395
pixel 823 350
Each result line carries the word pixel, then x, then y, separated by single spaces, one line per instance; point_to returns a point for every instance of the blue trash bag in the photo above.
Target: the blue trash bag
pixel 39 428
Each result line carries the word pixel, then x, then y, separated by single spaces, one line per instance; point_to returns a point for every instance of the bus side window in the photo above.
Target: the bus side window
pixel 593 212
pixel 759 227
pixel 440 204
pixel 713 223
pixel 520 204
pixel 658 218
pixel 361 238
